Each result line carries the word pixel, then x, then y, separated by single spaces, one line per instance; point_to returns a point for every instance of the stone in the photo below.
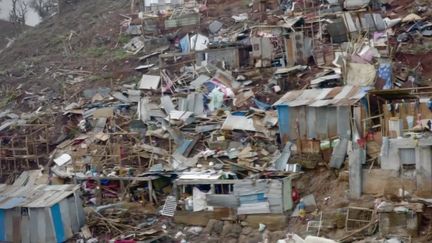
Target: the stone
pixel 246 230
pixel 226 228
pixel 276 235
pixel 251 238
pixel 214 227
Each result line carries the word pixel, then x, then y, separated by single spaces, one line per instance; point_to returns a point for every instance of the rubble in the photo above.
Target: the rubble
pixel 224 116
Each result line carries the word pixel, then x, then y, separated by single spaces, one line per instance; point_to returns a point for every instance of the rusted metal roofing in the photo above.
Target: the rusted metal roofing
pixel 338 96
pixel 34 196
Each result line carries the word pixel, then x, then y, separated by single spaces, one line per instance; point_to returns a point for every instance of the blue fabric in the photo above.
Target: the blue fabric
pixel 385 72
pixel 429 105
pixel 58 223
pixel 239 113
pixel 2 226
pixel 210 86
pixel 262 105
pixel 185 44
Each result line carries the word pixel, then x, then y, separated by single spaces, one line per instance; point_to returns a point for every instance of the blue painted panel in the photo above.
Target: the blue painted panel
pixel 284 123
pixel 58 223
pixel 253 198
pixel 2 225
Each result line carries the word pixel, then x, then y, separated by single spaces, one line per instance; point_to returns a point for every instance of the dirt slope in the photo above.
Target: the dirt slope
pixel 83 38
pixel 7 31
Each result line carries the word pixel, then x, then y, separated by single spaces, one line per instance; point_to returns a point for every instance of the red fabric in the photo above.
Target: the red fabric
pixel 295 195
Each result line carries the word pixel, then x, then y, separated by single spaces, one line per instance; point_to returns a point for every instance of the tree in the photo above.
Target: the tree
pixel 18 12
pixel 44 8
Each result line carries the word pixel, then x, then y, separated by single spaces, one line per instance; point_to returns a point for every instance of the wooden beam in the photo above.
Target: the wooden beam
pixel 148 178
pixel 206 182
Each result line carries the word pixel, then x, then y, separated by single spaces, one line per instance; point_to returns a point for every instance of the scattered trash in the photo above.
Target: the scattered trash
pixel 215 113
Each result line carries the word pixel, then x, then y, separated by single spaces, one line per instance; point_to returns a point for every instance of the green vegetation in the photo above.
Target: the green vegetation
pixel 119 54
pixel 97 51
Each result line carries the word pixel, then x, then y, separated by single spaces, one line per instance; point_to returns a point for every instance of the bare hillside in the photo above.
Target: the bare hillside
pixel 83 37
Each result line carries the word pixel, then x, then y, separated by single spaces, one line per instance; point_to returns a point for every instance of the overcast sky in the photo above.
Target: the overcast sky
pixel 5 6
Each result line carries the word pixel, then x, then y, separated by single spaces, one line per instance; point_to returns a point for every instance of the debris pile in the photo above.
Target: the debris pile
pixel 312 117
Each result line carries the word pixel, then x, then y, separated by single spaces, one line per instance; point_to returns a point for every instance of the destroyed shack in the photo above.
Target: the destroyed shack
pixel 398 137
pixel 240 117
pixel 232 197
pixel 318 114
pixel 230 57
pixel 401 219
pixel 280 45
pixel 23 145
pixel 31 212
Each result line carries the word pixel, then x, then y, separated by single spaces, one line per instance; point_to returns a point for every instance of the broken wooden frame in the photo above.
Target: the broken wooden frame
pixel 111 153
pixel 170 65
pixel 183 182
pixel 384 97
pixel 122 180
pixel 359 217
pixel 25 147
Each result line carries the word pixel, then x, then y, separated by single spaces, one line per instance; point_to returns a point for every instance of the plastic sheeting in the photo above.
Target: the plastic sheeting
pixel 216 99
pixel 199 200
pixel 360 74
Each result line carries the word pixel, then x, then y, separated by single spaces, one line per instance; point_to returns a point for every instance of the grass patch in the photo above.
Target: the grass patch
pixel 94 78
pixel 123 40
pixel 97 51
pixel 7 98
pixel 120 54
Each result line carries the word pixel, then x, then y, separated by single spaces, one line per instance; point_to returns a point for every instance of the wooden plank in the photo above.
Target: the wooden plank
pixel 206 182
pixel 193 218
pixel 148 178
pixel 273 222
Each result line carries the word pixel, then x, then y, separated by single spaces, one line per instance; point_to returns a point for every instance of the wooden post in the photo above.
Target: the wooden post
pixel 98 192
pixel 132 6
pixel 150 186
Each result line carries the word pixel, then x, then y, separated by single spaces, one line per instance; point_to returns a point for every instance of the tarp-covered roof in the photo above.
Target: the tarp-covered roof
pixel 338 96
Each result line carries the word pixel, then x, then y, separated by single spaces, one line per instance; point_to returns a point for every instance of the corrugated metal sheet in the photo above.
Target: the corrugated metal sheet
pixel 338 96
pixel 286 193
pixel 223 200
pixel 343 122
pixel 238 123
pixel 311 122
pixel 338 31
pixel 47 199
pixel 48 224
pixel 34 196
pixel 322 124
pixel 284 122
pixel 11 202
pixel 27 177
pixel 185 20
pixel 331 121
pixel 317 113
pixel 262 196
pixel 339 154
pixel 39 213
pixel 301 121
